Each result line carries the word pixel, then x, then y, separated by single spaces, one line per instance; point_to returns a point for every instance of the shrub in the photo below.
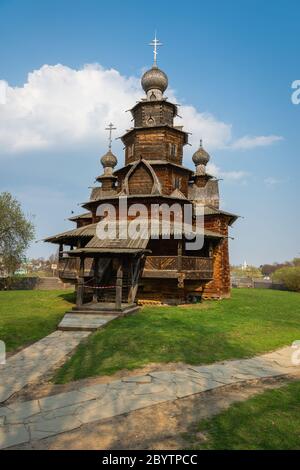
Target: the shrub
pixel 290 277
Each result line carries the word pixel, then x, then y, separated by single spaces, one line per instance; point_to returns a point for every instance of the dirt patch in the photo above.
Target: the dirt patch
pixel 158 427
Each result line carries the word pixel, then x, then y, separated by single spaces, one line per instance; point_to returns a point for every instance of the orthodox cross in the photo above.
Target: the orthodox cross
pixel 155 43
pixel 110 128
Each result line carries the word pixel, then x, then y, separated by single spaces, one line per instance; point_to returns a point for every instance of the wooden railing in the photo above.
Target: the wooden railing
pixel 68 267
pixel 165 263
pixel 172 263
pixel 195 263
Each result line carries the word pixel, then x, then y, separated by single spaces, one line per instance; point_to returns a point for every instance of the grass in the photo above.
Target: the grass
pixel 269 421
pixel 251 322
pixel 27 316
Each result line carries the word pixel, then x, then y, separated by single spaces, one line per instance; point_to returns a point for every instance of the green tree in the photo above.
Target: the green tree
pixel 290 277
pixel 250 271
pixel 16 232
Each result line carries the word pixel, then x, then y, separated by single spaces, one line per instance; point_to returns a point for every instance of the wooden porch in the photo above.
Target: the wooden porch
pixel 194 267
pixel 155 266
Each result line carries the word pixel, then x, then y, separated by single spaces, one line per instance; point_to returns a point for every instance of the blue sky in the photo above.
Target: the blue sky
pixel 233 62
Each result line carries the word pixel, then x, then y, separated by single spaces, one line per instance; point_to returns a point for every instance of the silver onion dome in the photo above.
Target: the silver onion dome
pixel 109 160
pixel 201 157
pixel 154 80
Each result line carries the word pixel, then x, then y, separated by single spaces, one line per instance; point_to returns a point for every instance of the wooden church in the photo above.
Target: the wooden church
pixel 117 274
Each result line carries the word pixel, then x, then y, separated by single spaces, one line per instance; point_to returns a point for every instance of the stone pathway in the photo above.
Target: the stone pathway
pixel 37 419
pixel 36 360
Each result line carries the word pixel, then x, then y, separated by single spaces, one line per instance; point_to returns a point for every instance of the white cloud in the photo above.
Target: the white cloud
pixel 226 175
pixel 271 181
pixel 248 142
pixel 215 134
pixel 62 107
pixel 59 106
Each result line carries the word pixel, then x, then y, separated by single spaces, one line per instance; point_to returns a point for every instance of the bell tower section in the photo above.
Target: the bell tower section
pixel 154 136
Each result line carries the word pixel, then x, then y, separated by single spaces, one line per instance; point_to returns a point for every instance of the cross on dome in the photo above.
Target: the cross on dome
pixel 155 43
pixel 110 128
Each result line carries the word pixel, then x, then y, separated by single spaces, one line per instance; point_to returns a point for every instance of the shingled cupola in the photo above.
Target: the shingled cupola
pixel 201 158
pixel 108 161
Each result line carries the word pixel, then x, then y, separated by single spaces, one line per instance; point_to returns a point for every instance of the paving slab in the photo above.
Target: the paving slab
pixel 51 427
pixel 63 399
pixel 13 435
pixel 18 412
pixel 95 391
pixel 145 389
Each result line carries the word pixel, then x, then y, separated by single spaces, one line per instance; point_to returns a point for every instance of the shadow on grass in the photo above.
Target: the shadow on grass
pixel 69 297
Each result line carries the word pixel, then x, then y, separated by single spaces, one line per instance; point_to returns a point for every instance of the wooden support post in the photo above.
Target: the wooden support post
pixel 60 251
pixel 119 283
pixel 179 255
pixel 80 284
pixel 96 279
pixel 131 280
pixel 136 268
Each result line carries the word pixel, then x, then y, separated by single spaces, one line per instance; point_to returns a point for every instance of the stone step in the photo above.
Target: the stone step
pixel 50 283
pixel 84 321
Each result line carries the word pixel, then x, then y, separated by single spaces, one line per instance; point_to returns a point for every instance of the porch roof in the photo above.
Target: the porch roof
pixel 87 231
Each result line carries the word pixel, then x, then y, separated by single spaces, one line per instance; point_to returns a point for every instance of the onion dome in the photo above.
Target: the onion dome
pixel 109 161
pixel 201 157
pixel 156 81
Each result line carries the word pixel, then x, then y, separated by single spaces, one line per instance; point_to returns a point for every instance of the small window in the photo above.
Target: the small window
pixel 177 182
pixel 173 150
pixel 130 150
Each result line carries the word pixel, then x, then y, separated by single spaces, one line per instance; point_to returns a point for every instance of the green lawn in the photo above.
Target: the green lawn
pixel 268 421
pixel 27 316
pixel 251 322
